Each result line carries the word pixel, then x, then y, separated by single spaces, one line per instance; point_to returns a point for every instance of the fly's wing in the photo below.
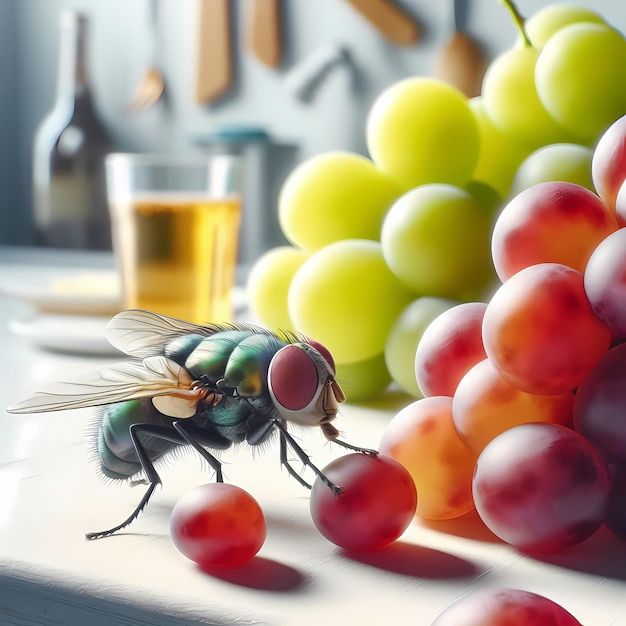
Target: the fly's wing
pixel 154 376
pixel 143 333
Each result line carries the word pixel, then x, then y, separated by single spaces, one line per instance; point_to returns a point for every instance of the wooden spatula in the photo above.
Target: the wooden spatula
pixel 214 69
pixel 264 31
pixel 392 22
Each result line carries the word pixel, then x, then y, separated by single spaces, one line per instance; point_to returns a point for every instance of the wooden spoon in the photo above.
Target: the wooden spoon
pixel 152 85
pixel 461 61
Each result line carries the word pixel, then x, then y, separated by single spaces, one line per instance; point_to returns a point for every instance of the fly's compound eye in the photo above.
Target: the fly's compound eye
pixel 323 350
pixel 293 378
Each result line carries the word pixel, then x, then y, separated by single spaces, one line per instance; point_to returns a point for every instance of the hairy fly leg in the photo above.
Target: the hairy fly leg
pixel 288 440
pixel 189 434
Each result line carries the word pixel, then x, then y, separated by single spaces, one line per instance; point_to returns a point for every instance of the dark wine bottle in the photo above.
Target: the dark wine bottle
pixel 69 192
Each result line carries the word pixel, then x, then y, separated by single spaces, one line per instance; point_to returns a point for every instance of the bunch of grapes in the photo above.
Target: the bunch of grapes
pixel 381 245
pixel 525 410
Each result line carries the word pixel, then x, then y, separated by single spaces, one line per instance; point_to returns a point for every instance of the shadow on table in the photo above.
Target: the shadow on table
pixel 418 561
pixel 262 574
pixel 603 554
pixel 468 526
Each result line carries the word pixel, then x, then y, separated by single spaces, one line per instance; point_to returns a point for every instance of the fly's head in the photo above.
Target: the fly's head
pixel 302 385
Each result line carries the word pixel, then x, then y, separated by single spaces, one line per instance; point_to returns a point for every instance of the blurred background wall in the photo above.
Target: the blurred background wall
pixel 120 36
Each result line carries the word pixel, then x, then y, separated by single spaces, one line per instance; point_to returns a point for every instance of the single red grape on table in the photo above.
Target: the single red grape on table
pixel 505 607
pixel 375 506
pixel 218 525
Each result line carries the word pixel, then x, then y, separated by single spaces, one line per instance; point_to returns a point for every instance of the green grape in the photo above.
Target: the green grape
pixel 268 285
pixel 346 297
pixel 500 153
pixel 436 239
pixel 580 77
pixel 334 196
pixel 363 380
pixel 566 162
pixel 422 130
pixel 549 19
pixel 405 336
pixel 512 103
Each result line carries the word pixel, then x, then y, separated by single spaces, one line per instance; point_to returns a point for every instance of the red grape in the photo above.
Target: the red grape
pixel 608 164
pixel 600 405
pixel 552 222
pixel 422 437
pixel 605 282
pixel 375 506
pixel 218 525
pixel 505 607
pixel 616 513
pixel 450 345
pixel 620 205
pixel 486 405
pixel 541 332
pixel 541 487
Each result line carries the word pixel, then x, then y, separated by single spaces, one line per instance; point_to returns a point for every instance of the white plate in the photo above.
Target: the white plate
pixel 85 292
pixel 73 334
pixel 81 334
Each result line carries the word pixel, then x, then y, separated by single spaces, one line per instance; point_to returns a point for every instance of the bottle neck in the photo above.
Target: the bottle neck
pixel 73 80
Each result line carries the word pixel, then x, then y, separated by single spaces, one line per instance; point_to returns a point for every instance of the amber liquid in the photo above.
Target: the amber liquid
pixel 178 255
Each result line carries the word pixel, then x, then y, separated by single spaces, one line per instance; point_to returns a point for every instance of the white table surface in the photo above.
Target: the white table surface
pixel 50 495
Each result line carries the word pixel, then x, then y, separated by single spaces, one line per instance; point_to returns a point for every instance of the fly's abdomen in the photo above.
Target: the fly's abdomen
pixel 115 447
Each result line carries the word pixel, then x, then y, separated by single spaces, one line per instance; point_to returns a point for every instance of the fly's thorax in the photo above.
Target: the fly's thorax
pixel 302 385
pixel 248 364
pixel 210 356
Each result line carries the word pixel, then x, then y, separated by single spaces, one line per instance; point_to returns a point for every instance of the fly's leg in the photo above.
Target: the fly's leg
pixel 287 439
pixel 284 461
pixel 179 436
pixel 349 446
pixel 187 432
pixel 151 476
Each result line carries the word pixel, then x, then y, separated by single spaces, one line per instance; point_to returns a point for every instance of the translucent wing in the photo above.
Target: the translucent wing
pixel 143 333
pixel 154 376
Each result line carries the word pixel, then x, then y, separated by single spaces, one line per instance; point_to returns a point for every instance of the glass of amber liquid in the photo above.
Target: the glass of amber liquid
pixel 175 224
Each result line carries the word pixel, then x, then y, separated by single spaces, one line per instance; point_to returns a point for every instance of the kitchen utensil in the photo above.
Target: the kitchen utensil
pixel 392 22
pixel 263 31
pixel 152 85
pixel 305 79
pixel 214 68
pixel 461 62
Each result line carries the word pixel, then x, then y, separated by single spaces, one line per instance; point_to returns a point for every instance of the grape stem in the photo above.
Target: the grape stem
pixel 518 19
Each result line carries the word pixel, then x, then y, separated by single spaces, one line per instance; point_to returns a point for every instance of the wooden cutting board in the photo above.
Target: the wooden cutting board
pixel 214 64
pixel 264 31
pixel 392 22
